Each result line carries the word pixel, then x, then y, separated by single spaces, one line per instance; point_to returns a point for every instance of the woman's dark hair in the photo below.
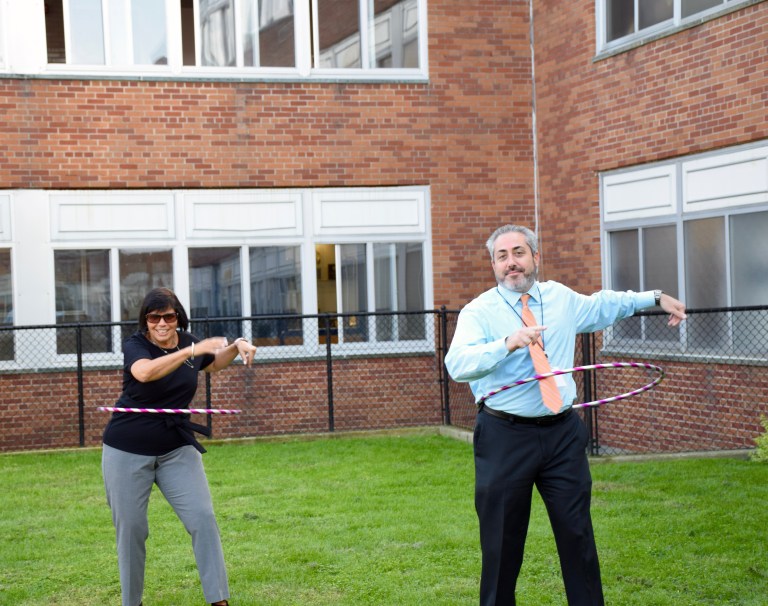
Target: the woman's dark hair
pixel 159 299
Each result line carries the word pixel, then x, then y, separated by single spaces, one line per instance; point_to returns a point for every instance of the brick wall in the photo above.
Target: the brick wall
pixel 700 89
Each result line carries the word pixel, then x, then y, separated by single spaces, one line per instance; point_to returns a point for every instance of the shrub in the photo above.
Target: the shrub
pixel 761 452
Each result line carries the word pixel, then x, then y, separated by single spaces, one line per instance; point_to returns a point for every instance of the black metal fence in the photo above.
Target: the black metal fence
pixel 340 372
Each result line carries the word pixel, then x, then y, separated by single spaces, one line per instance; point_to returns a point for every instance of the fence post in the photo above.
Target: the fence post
pixel 329 369
pixel 590 414
pixel 445 386
pixel 80 395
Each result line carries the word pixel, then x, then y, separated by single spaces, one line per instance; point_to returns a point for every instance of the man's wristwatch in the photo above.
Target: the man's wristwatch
pixel 657 296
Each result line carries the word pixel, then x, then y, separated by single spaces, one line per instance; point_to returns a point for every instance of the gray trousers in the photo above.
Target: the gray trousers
pixel 128 479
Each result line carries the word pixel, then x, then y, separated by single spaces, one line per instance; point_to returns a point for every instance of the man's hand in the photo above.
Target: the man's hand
pixel 523 337
pixel 675 309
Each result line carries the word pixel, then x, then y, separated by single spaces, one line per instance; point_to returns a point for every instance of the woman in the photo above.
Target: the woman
pixel 161 362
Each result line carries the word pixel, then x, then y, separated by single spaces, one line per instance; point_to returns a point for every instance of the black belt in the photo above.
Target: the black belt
pixel 546 420
pixel 185 427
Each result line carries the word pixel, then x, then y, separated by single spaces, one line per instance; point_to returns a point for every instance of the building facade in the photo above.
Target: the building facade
pixel 308 156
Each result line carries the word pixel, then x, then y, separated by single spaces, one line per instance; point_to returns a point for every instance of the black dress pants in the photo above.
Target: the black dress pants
pixel 510 459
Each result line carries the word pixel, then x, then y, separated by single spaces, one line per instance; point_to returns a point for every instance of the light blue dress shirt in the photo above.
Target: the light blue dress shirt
pixel 478 355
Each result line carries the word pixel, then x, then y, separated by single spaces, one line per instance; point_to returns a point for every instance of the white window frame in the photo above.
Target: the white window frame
pixel 659 30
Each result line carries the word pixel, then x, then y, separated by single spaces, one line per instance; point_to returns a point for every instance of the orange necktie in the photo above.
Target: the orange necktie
pixel 550 394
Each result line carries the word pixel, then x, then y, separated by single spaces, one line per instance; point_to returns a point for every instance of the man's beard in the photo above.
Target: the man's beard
pixel 523 283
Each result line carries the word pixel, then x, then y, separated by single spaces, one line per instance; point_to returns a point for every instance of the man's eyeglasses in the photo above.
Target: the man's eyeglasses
pixel 169 318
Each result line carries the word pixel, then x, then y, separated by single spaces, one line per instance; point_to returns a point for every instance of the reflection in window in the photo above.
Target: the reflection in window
pixel 82 295
pixel 217 32
pixel 396 34
pixel 140 272
pixel 339 33
pixel 393 27
pixel 86 29
pixel 354 291
pixel 399 281
pixel 276 289
pixel 706 281
pixel 749 286
pixel 136 31
pixel 6 306
pixel 214 290
pixel 276 34
pixel 625 275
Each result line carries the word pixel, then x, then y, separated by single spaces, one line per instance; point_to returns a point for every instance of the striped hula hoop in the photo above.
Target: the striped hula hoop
pixel 177 411
pixel 623 396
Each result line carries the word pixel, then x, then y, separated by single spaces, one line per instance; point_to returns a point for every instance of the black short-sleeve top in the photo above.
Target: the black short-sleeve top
pixel 153 434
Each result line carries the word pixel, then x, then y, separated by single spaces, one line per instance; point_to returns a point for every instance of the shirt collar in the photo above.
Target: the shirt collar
pixel 512 296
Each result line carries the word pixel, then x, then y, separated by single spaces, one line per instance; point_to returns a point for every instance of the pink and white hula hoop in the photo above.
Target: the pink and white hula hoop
pixel 178 411
pixel 623 396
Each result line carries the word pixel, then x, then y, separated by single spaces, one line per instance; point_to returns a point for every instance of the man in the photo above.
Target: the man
pixel 519 441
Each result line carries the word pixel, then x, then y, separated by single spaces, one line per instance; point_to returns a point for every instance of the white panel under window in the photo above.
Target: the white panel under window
pixel 367 212
pixel 642 193
pixel 215 215
pixel 108 215
pixel 726 180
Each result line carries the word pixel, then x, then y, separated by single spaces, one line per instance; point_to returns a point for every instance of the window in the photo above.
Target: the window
pixel 275 290
pixel 141 271
pixel 397 271
pixel 628 20
pixel 6 305
pixel 696 228
pixel 399 285
pixel 107 32
pixel 353 34
pixel 215 287
pixel 180 37
pixel 82 295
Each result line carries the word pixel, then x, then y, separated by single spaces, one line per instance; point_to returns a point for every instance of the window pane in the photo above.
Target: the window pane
pixel 339 33
pixel 395 29
pixel 619 18
pixel 660 271
pixel 217 32
pixel 149 32
pixel 691 7
pixel 214 289
pixel 705 281
pixel 6 306
pixel 86 32
pixel 354 290
pixel 651 12
pixel 749 281
pixel 276 289
pixel 399 285
pixel 625 275
pixel 82 295
pixel 140 272
pixel 276 34
pixel 54 31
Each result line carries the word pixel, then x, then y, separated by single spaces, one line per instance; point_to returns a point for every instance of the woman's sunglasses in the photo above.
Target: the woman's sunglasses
pixel 169 318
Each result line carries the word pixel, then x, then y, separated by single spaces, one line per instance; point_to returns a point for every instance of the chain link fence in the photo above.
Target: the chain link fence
pixel 368 371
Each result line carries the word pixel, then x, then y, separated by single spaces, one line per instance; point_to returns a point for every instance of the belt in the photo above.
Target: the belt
pixel 545 420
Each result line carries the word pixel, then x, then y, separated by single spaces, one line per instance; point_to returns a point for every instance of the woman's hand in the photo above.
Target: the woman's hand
pixel 246 350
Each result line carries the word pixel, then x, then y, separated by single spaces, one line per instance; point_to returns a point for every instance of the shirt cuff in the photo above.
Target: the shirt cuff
pixel 646 299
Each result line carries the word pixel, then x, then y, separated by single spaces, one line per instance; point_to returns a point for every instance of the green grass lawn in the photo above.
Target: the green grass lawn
pixel 381 520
